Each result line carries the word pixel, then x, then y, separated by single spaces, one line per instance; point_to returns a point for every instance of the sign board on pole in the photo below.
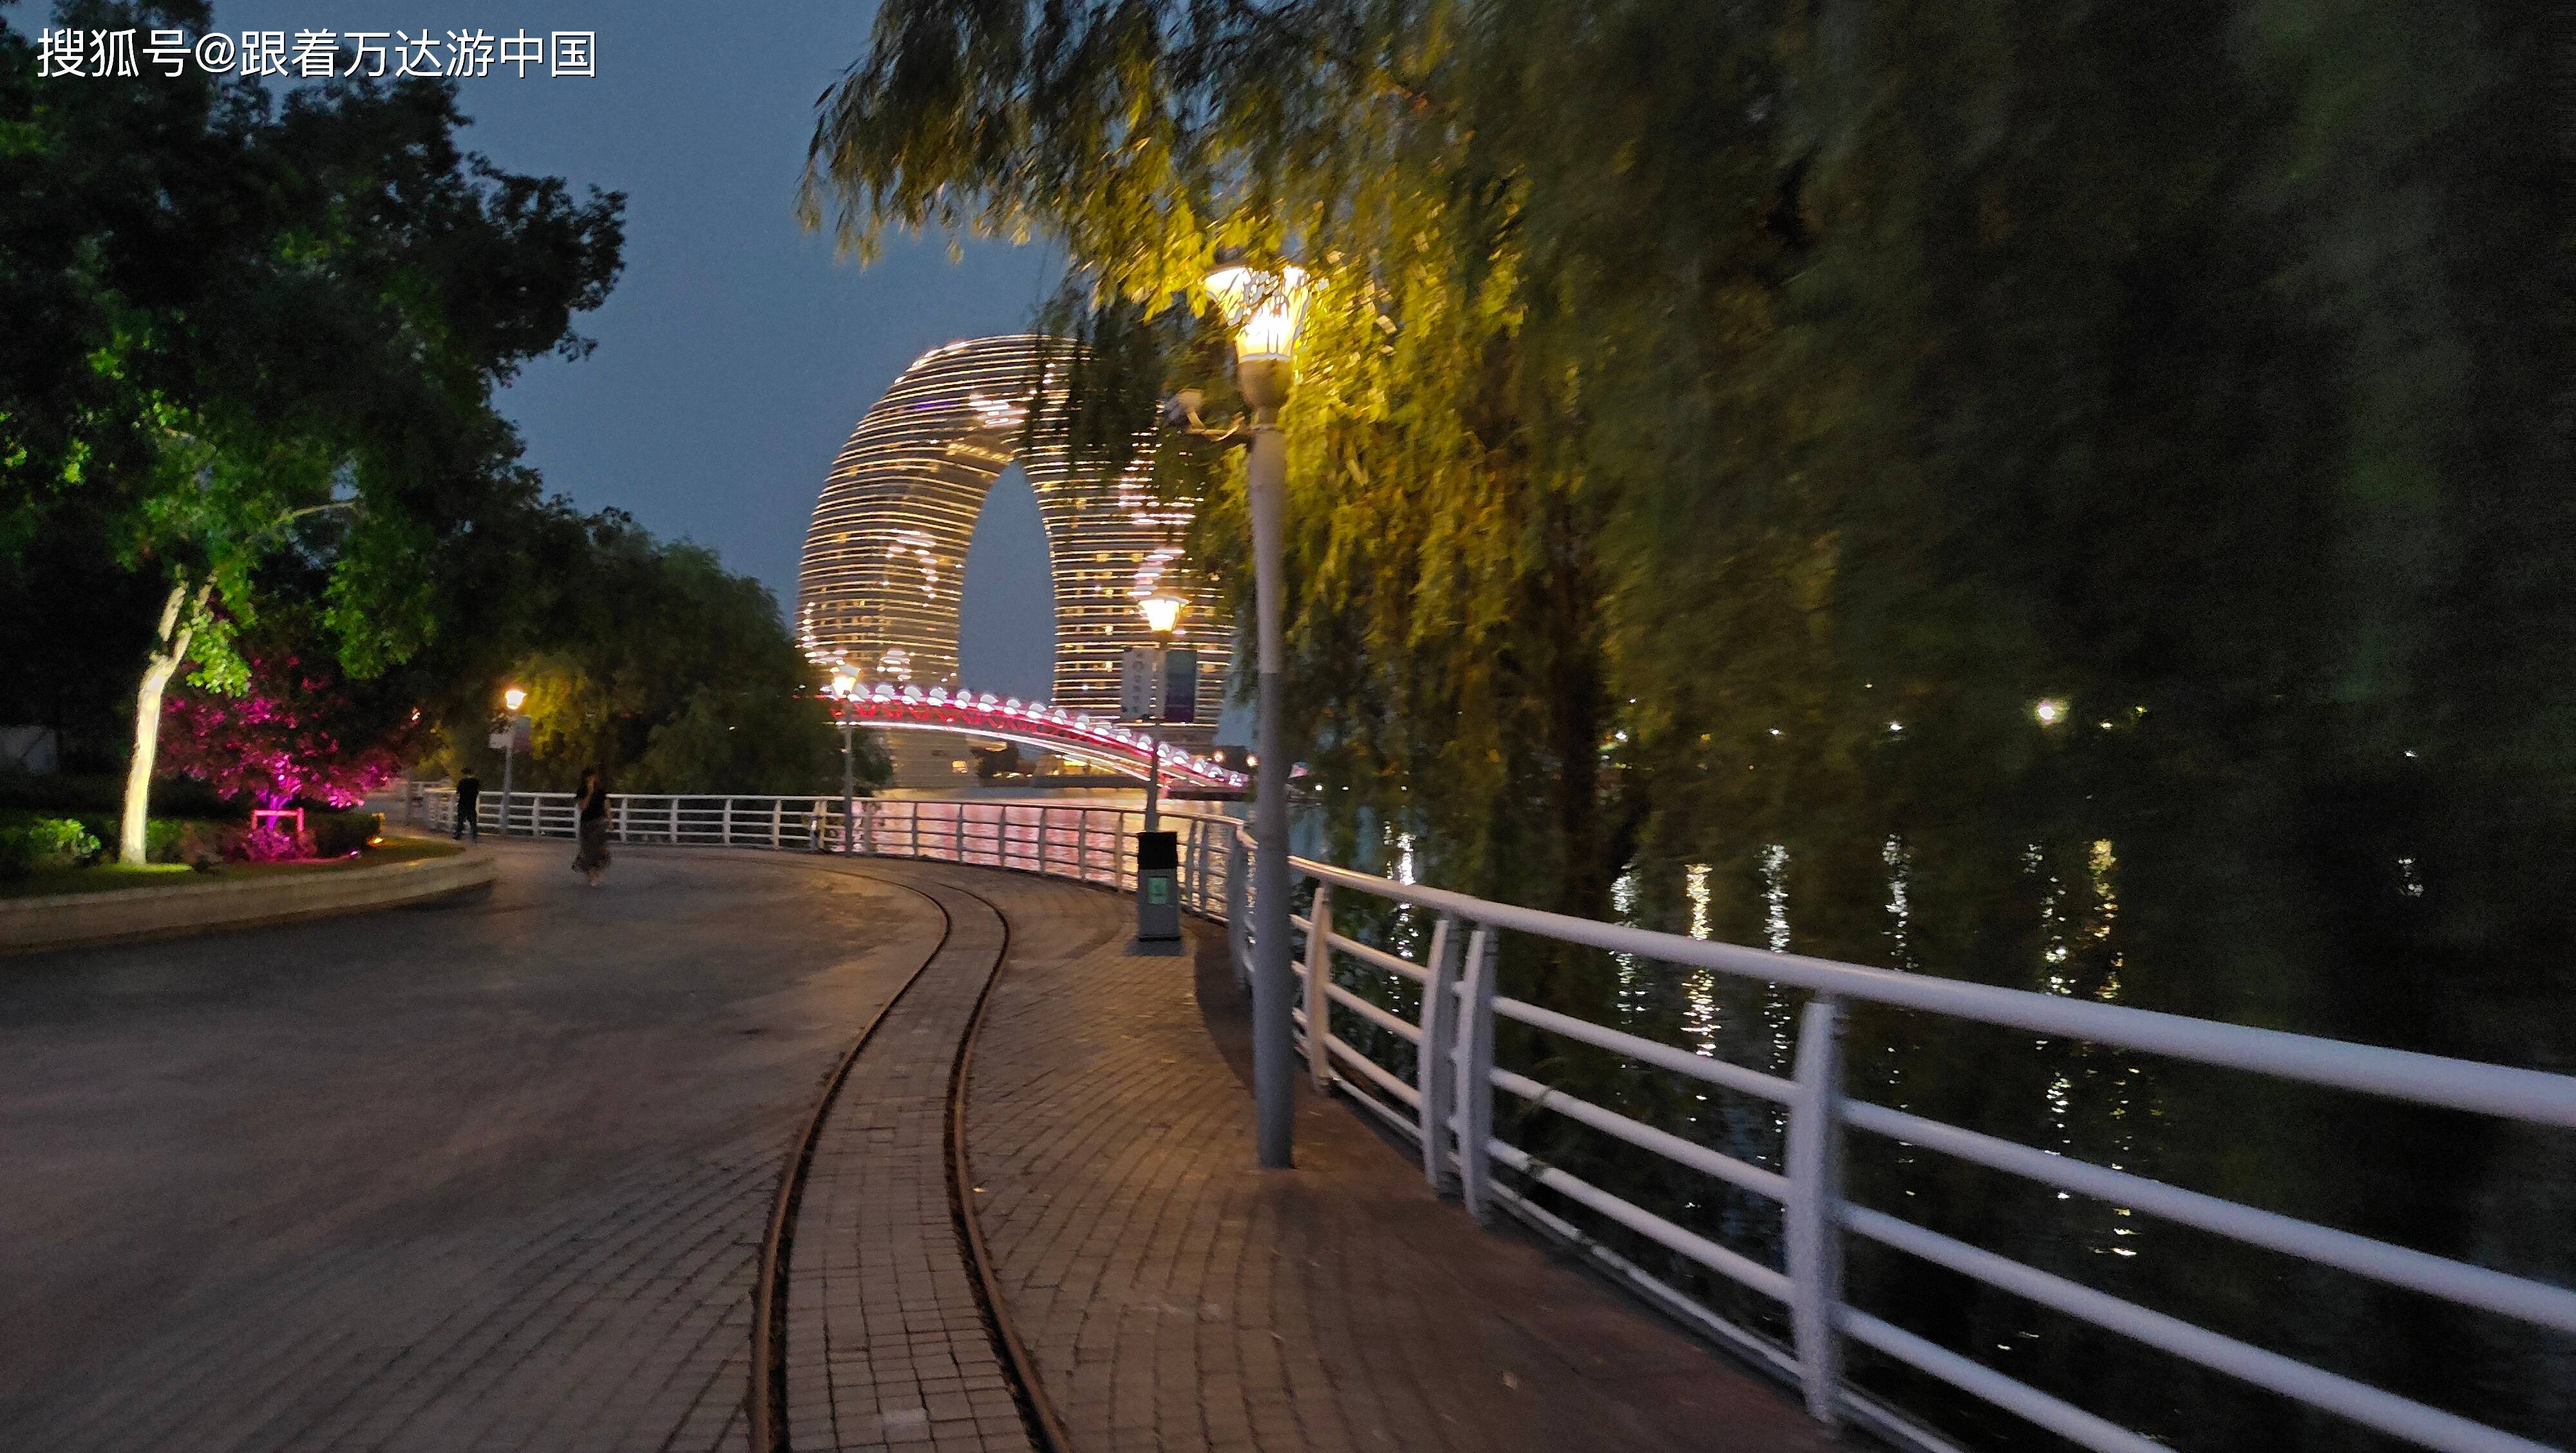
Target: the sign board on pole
pixel 1180 701
pixel 1173 698
pixel 1136 684
pixel 498 741
pixel 521 730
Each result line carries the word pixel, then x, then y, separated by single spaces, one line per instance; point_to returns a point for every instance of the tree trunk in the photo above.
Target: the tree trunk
pixel 178 624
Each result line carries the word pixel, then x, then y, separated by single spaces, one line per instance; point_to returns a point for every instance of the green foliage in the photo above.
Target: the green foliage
pixel 29 843
pixel 261 325
pixel 645 658
pixel 194 841
pixel 1824 369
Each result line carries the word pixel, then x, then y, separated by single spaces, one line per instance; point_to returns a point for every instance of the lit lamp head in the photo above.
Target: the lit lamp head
pixel 1265 310
pixel 1163 612
pixel 514 698
pixel 843 683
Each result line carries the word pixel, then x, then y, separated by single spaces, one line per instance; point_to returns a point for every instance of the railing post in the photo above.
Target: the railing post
pixel 1433 1065
pixel 1811 1227
pixel 1238 911
pixel 912 816
pixel 957 820
pixel 1474 1062
pixel 724 834
pixel 777 822
pixel 675 821
pixel 1319 975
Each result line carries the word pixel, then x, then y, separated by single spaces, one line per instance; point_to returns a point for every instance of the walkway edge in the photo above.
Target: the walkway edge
pixel 130 915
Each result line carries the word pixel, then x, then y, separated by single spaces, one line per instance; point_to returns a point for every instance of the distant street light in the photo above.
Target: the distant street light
pixel 512 698
pixel 1158 910
pixel 1162 612
pixel 844 685
pixel 1265 310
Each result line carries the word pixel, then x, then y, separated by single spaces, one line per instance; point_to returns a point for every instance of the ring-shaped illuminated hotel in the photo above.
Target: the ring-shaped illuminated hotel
pixel 886 552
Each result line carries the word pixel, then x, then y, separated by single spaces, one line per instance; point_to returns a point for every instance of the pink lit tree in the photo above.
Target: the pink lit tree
pixel 296 732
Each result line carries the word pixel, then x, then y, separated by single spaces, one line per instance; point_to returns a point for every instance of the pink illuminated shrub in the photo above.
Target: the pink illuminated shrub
pixel 295 734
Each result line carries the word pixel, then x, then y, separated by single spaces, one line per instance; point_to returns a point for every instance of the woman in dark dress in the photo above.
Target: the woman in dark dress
pixel 592 805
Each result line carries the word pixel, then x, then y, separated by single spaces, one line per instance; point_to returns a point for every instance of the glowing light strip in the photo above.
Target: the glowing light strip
pixel 1048 727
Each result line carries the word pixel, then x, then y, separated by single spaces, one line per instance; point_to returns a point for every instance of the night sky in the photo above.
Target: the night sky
pixel 736 351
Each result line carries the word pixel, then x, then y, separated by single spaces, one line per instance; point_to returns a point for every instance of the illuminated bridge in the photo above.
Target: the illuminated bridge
pixel 1034 724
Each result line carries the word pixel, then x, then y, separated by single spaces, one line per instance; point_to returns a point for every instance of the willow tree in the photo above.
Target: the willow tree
pixel 1445 635
pixel 1724 426
pixel 1721 424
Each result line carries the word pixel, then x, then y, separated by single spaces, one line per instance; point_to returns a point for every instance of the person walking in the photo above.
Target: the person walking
pixel 469 793
pixel 591 805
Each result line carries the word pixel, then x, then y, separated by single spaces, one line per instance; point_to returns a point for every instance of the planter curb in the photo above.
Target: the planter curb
pixel 130 915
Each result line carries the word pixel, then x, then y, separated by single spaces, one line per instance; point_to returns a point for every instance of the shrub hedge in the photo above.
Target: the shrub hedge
pixel 29 843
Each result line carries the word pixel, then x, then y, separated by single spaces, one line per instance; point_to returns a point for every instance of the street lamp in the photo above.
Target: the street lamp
pixel 1162 612
pixel 844 685
pixel 1158 907
pixel 512 698
pixel 1265 310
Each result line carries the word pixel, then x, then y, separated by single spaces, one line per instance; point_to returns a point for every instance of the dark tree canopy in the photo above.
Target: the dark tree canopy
pixel 263 327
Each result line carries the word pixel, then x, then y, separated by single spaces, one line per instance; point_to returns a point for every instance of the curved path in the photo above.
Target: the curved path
pixel 498 1176
pixel 489 1177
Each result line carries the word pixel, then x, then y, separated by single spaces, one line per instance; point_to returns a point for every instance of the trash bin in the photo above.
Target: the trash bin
pixel 1158 893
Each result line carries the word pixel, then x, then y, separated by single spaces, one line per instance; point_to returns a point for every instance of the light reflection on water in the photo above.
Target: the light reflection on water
pixel 1699 986
pixel 2062 915
pixel 2090 1099
pixel 1900 902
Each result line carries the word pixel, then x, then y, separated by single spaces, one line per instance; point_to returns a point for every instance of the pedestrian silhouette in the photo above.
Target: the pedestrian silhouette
pixel 469 792
pixel 592 804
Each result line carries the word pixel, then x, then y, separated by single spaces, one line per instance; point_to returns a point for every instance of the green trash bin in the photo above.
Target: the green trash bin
pixel 1158 888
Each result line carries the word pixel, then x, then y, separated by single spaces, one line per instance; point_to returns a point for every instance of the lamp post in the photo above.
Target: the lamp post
pixel 1265 310
pixel 1158 904
pixel 843 683
pixel 1162 611
pixel 513 699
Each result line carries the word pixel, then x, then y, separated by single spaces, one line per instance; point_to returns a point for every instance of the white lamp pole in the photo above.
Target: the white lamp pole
pixel 843 683
pixel 1265 310
pixel 513 699
pixel 1162 611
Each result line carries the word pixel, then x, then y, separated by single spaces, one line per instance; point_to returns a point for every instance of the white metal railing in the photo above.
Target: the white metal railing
pixel 1087 842
pixel 1447 1107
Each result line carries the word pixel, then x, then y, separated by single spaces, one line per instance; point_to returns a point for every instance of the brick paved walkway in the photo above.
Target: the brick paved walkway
pixel 1175 1297
pixel 886 1345
pixel 492 1177
pixel 495 1178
